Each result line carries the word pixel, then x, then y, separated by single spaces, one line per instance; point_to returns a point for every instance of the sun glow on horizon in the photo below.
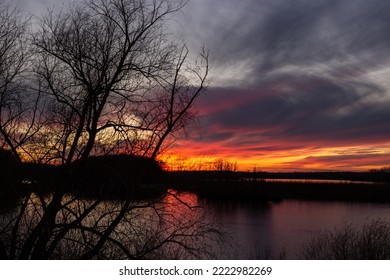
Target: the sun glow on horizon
pixel 351 158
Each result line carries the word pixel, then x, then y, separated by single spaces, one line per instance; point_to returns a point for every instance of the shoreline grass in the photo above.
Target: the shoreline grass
pixel 349 242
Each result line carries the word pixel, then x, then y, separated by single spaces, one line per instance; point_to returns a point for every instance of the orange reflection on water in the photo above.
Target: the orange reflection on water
pixel 175 200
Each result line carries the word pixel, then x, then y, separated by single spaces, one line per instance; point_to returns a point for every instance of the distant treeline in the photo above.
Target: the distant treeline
pixel 124 176
pixel 110 176
pixel 244 186
pixel 377 176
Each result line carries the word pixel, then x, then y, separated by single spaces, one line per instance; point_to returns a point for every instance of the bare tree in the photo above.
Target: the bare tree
pixel 111 82
pixel 18 107
pixel 175 97
pixel 98 62
pixel 224 166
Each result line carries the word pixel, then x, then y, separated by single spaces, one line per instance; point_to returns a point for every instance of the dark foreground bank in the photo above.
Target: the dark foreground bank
pixel 123 177
pixel 255 187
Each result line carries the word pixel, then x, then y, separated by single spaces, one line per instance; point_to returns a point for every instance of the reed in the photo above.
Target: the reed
pixel 349 242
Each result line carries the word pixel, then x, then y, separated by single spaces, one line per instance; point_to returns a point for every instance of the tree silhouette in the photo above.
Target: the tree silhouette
pixel 105 78
pixel 108 70
pixel 18 109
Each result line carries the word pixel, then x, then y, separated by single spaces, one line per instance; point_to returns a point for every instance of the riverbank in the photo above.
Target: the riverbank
pixel 124 177
pixel 240 186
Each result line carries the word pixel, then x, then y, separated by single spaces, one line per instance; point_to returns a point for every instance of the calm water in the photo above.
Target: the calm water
pixel 317 181
pixel 267 230
pixel 263 230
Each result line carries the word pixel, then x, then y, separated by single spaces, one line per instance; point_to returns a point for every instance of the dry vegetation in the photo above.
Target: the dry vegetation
pixel 349 242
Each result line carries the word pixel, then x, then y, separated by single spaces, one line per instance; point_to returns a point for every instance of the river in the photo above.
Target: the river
pixel 279 229
pixel 261 230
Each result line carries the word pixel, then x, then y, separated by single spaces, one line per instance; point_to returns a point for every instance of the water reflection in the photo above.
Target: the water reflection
pixel 272 230
pixel 53 227
pixel 318 181
pixel 178 226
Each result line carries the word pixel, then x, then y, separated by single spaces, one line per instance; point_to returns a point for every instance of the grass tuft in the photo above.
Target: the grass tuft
pixel 348 242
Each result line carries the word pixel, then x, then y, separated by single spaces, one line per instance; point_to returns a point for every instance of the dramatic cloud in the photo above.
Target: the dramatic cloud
pixel 311 108
pixel 39 7
pixel 295 78
pixel 291 81
pixel 270 35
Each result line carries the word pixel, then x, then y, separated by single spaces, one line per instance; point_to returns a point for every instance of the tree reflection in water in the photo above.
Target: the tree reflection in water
pixel 175 226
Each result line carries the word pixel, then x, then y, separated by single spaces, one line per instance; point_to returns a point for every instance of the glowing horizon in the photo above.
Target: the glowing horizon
pixel 185 157
pixel 292 87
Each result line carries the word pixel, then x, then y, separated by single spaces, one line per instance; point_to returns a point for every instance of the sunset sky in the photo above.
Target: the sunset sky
pixel 294 85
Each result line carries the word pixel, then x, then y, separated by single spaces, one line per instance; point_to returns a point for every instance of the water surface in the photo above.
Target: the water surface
pixel 268 229
pixel 253 229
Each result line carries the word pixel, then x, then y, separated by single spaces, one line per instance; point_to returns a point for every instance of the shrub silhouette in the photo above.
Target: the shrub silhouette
pixel 9 176
pixel 117 175
pixel 370 242
pixel 8 165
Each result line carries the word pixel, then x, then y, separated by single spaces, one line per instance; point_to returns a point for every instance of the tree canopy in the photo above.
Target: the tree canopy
pixel 99 77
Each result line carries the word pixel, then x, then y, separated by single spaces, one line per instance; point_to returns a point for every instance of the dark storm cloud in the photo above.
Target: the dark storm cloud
pixel 306 32
pixel 278 33
pixel 309 68
pixel 306 109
